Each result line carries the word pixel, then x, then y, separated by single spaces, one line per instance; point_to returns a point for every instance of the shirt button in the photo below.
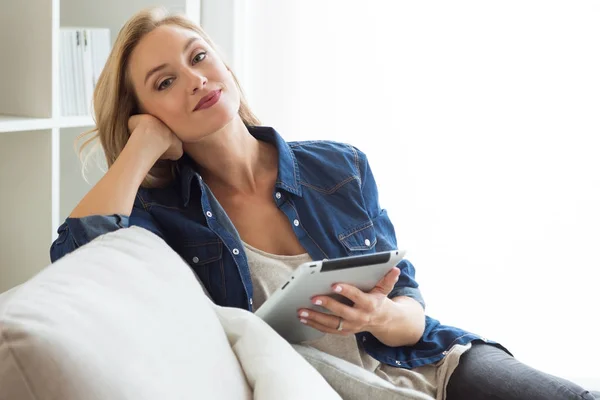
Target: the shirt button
pixel 367 242
pixel 236 252
pixel 208 214
pixel 398 362
pixel 444 353
pixel 278 195
pixel 250 301
pixel 296 222
pixel 195 260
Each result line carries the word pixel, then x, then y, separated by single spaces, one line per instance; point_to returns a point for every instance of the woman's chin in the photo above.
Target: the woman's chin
pixel 204 130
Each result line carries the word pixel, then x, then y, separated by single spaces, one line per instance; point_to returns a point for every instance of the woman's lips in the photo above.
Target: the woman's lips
pixel 209 100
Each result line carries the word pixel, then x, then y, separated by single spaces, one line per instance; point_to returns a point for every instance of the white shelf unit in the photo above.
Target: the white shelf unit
pixel 40 173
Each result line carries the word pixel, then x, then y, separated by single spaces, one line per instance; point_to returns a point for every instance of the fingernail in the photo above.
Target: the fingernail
pixel 303 321
pixel 318 302
pixel 337 289
pixel 304 314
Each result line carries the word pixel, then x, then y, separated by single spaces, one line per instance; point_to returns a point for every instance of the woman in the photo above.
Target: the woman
pixel 188 161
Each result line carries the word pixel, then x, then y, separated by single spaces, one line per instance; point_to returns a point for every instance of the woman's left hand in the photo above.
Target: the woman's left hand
pixel 367 313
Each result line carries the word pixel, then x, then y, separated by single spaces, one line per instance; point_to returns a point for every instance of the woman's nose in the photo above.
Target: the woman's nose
pixel 197 81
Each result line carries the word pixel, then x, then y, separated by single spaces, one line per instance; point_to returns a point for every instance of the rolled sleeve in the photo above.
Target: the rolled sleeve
pixel 76 232
pixel 413 293
pixel 406 285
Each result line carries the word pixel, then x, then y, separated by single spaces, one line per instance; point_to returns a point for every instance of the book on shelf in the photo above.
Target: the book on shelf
pixel 83 54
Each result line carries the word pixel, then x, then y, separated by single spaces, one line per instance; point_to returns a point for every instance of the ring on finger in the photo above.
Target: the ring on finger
pixel 340 324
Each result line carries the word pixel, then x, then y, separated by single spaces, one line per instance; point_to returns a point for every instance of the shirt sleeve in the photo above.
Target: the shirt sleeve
pixel 386 235
pixel 76 232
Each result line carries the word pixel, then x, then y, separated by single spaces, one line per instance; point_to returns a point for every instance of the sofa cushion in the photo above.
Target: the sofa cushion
pixel 353 382
pixel 273 368
pixel 120 318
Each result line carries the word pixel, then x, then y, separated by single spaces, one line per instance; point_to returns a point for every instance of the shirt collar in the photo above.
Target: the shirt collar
pixel 288 175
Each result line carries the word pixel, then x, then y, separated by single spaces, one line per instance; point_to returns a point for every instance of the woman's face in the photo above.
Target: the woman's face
pixel 171 70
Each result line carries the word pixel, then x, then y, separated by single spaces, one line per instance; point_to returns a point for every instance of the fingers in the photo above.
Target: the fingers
pixel 386 284
pixel 358 297
pixel 324 322
pixel 348 313
pixel 355 318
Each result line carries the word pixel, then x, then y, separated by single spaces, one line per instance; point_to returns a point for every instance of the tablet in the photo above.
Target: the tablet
pixel 280 310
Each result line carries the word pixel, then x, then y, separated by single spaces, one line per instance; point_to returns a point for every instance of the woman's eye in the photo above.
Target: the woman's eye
pixel 199 57
pixel 165 84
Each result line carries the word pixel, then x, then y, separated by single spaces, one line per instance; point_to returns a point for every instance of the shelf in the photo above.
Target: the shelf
pixel 75 122
pixel 39 166
pixel 11 123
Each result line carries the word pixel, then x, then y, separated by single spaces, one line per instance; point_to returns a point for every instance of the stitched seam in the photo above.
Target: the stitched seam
pixel 243 253
pixel 289 188
pixel 194 244
pixel 298 144
pixel 580 395
pixel 349 375
pixel 208 285
pixel 163 206
pixel 437 355
pixel 356 164
pixel 207 260
pixel 224 285
pixel 434 356
pixel 355 248
pixel 332 190
pixel 144 204
pixel 358 229
pixel 16 360
pixel 291 153
pixel 305 231
pixel 296 171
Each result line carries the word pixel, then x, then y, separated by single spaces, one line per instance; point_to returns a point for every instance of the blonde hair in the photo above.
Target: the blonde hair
pixel 115 100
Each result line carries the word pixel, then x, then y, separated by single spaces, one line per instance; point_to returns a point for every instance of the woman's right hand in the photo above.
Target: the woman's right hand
pixel 150 140
pixel 154 134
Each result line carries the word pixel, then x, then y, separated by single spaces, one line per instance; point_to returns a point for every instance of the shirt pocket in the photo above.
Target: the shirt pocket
pixel 206 260
pixel 361 239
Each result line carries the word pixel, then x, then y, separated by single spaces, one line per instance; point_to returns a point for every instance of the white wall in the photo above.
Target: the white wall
pixel 481 123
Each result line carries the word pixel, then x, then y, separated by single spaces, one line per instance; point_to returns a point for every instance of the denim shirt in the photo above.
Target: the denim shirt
pixel 329 195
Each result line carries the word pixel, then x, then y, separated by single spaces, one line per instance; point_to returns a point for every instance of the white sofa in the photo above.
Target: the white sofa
pixel 124 317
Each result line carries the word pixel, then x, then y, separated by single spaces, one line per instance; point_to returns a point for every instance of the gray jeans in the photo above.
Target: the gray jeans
pixel 486 372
